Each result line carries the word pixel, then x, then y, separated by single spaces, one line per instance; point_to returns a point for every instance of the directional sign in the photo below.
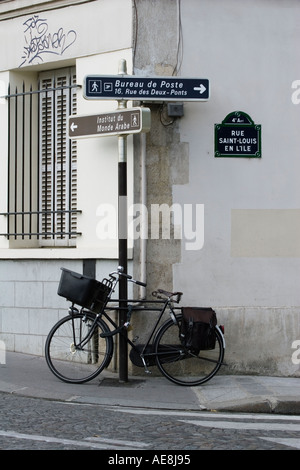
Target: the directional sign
pixel 125 121
pixel 128 87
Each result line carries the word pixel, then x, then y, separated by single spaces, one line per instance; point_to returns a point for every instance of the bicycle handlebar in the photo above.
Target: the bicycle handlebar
pixel 140 283
pixel 120 272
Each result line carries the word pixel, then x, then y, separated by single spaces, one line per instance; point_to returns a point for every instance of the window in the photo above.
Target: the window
pixel 58 165
pixel 42 169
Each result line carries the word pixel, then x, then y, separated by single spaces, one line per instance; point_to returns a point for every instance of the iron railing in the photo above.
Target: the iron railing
pixel 24 203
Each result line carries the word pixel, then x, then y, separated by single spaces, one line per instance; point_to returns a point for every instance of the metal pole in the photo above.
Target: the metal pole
pixel 122 236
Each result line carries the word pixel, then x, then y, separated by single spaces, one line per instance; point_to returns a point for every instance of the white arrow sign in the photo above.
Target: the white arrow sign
pixel 73 126
pixel 201 88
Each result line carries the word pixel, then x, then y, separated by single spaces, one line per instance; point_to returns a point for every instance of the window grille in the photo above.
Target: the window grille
pixel 58 158
pixel 42 162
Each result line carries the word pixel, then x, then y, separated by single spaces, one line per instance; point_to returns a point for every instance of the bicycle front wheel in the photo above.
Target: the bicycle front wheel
pixel 70 356
pixel 181 366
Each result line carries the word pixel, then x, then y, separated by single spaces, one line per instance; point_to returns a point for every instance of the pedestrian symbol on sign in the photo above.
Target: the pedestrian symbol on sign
pixel 95 86
pixel 135 120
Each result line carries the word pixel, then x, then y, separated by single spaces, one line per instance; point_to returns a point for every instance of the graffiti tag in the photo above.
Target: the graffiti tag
pixel 40 41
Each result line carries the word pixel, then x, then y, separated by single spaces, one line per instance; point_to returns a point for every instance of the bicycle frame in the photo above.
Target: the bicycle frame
pixel 88 337
pixel 166 303
pixel 123 330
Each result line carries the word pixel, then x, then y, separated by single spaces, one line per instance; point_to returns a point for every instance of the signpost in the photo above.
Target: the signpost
pixel 145 88
pixel 123 121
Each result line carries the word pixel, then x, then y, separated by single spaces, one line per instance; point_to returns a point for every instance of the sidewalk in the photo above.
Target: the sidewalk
pixel 29 376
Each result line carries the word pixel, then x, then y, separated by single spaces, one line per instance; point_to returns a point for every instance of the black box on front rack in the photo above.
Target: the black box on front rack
pixel 83 290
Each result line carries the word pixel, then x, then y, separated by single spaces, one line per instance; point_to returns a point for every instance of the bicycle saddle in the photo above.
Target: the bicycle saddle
pixel 168 294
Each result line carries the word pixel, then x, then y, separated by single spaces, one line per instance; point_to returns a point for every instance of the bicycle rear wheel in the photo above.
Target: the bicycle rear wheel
pixel 67 355
pixel 179 365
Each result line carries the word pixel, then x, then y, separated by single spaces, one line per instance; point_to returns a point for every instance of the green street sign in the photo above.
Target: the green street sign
pixel 238 136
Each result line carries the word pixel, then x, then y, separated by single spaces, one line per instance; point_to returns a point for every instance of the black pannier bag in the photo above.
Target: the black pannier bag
pixel 197 330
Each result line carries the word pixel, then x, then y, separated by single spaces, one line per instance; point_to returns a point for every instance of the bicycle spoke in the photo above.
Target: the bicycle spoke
pixel 179 365
pixel 74 352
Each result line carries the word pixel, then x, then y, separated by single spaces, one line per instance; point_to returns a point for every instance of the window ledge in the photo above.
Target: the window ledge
pixel 62 253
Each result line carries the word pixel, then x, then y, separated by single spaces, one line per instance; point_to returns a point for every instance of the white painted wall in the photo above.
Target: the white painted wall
pixel 251 70
pixel 248 50
pixel 94 36
pixel 79 30
pixel 99 35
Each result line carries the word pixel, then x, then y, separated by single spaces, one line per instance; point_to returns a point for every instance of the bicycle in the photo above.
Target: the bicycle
pixel 80 345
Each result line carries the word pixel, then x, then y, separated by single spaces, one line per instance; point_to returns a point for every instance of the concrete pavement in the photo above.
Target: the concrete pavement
pixel 27 375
